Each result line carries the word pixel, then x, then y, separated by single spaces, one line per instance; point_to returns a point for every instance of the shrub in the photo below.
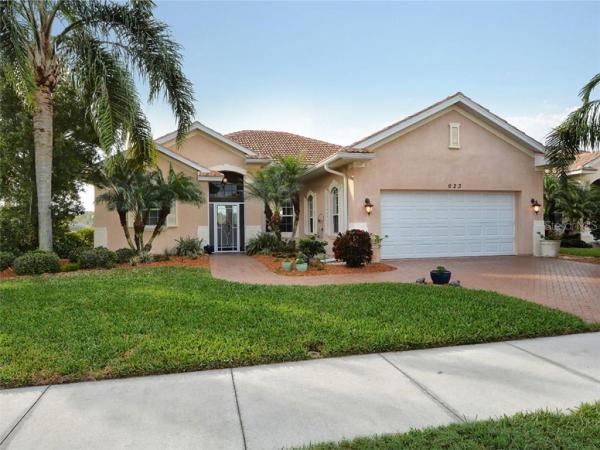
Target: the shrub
pixel 353 247
pixel 263 243
pixel 574 243
pixel 86 235
pixel 141 258
pixel 36 262
pixel 124 255
pixel 72 244
pixel 99 257
pixel 161 257
pixel 188 246
pixel 311 246
pixel 70 267
pixel 6 260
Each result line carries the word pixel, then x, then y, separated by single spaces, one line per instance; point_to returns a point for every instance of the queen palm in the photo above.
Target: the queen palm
pixel 98 47
pixel 579 132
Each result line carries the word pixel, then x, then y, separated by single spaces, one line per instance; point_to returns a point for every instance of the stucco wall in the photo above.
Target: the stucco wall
pixel 421 160
pixel 191 220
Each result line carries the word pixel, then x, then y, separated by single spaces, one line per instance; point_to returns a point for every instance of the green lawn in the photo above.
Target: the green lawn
pixel 541 430
pixel 126 322
pixel 581 251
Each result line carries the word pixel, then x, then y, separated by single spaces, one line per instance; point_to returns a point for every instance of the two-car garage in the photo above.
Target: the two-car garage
pixel 420 224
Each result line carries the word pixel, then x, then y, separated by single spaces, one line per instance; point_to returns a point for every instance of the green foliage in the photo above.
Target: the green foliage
pixel 574 243
pixel 587 252
pixel 441 269
pixel 579 131
pixel 97 258
pixel 311 246
pixel 70 267
pixel 37 262
pixel 301 259
pixel 188 246
pixel 71 244
pixel 75 162
pixel 132 191
pixel 144 320
pixel 6 260
pixel 353 247
pixel 277 184
pixel 124 255
pixel 263 243
pixel 578 429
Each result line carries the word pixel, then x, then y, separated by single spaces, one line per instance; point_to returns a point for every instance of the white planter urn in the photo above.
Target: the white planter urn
pixel 549 249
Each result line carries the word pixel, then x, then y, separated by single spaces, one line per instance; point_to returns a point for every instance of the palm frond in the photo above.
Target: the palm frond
pixel 144 44
pixel 586 91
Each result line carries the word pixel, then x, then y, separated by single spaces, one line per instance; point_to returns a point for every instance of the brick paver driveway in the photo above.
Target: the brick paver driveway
pixel 568 285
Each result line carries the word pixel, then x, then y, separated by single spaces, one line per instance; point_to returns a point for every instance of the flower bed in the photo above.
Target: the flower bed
pixel 174 261
pixel 274 265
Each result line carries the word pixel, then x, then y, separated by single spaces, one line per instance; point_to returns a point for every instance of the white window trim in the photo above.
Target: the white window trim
pixel 454 126
pixel 173 224
pixel 329 209
pixel 315 214
pixel 289 234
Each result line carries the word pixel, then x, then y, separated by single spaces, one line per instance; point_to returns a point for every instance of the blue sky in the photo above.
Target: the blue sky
pixel 339 71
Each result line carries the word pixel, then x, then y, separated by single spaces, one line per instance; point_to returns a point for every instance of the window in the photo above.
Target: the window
pixel 335 211
pixel 310 214
pixel 153 216
pixel 454 135
pixel 230 189
pixel 286 224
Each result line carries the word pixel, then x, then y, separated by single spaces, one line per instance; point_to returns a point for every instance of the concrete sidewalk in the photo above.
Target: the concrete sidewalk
pixel 282 405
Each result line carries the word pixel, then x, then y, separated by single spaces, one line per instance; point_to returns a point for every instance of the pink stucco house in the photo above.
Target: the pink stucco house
pixel 451 180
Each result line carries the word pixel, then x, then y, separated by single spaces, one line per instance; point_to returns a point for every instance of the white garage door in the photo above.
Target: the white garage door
pixel 424 224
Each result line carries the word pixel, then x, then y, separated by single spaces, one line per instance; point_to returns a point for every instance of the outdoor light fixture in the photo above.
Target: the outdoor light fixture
pixel 535 205
pixel 224 181
pixel 368 206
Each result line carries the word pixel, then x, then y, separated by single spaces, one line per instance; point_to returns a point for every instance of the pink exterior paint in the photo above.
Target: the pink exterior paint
pixel 420 160
pixel 191 220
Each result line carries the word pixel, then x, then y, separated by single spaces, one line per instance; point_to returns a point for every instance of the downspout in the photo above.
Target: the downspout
pixel 345 192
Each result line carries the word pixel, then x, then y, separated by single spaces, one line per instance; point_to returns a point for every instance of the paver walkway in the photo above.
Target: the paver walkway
pixel 571 286
pixel 283 405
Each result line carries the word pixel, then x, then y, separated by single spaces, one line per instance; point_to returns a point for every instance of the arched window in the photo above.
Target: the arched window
pixel 335 210
pixel 310 214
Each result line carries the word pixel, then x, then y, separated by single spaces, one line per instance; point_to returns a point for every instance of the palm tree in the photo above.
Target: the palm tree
pixel 177 187
pixel 574 201
pixel 276 185
pixel 579 132
pixel 98 47
pixel 291 169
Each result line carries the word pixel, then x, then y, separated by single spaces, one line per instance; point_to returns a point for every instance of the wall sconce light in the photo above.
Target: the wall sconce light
pixel 368 206
pixel 535 205
pixel 224 180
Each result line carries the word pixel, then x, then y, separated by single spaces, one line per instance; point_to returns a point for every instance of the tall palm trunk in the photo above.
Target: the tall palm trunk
pixel 125 226
pixel 162 220
pixel 42 139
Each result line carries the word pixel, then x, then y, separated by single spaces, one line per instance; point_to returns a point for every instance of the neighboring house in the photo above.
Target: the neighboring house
pixel 586 169
pixel 451 180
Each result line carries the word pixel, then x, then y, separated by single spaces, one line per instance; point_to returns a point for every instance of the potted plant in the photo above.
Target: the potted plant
pixel 301 263
pixel 440 275
pixel 550 244
pixel 287 265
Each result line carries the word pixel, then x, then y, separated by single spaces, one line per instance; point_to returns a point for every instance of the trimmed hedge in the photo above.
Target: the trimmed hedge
pixel 37 262
pixel 73 243
pixel 353 247
pixel 97 258
pixel 6 260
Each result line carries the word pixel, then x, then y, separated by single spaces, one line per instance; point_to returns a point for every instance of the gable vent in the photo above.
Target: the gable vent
pixel 454 136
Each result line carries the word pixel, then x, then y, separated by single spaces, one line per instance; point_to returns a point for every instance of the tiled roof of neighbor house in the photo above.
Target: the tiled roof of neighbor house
pixel 583 159
pixel 270 144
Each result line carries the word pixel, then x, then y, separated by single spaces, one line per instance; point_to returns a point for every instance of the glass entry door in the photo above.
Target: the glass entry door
pixel 227 227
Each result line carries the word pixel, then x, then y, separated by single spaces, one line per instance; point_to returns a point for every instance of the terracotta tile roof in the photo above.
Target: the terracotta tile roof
pixel 270 144
pixel 583 159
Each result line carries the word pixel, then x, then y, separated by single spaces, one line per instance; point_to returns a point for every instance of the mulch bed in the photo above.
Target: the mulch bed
pixel 585 259
pixel 175 261
pixel 274 265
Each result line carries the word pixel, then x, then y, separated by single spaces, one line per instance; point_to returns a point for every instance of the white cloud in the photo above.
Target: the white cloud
pixel 539 125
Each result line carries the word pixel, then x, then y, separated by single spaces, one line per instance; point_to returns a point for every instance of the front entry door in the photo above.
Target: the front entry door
pixel 227 227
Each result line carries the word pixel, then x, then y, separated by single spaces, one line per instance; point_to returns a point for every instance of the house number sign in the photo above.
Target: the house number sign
pixel 454 185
